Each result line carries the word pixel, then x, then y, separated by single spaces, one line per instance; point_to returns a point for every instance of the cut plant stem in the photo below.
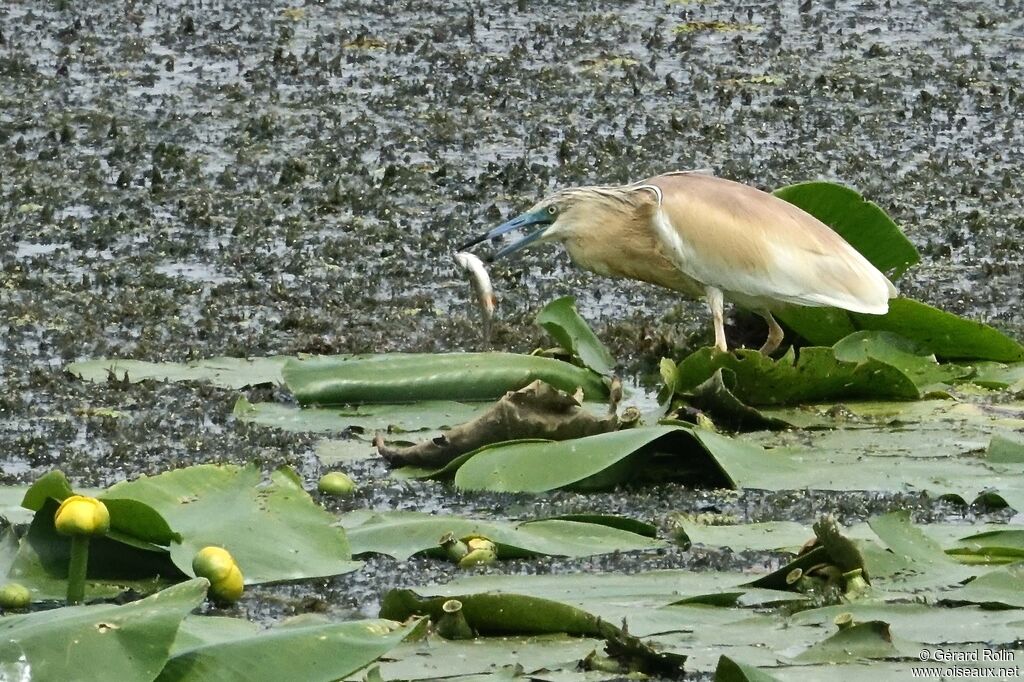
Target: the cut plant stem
pixel 77 567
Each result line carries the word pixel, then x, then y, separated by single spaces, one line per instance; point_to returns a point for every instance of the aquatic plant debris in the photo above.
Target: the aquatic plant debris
pixel 537 411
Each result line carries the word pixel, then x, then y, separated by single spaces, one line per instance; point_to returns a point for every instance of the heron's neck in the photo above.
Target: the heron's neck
pixel 601 211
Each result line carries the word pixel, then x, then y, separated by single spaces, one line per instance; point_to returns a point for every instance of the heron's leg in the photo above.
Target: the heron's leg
pixel 775 333
pixel 716 304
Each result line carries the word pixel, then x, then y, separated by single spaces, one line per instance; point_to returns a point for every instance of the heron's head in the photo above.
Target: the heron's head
pixel 550 219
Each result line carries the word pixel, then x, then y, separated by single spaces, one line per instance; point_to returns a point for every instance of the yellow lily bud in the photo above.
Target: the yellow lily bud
pixel 218 566
pixel 336 483
pixel 229 590
pixel 481 543
pixel 478 557
pixel 15 596
pixel 84 516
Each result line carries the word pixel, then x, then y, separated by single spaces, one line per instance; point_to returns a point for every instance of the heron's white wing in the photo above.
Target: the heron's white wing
pixel 741 240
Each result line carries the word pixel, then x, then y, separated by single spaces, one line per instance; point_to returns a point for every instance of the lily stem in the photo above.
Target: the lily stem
pixel 77 567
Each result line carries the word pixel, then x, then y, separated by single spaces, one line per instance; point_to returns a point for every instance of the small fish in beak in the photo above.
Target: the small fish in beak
pixel 481 282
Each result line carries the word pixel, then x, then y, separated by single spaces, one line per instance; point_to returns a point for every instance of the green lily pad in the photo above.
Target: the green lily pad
pixel 225 372
pixel 924 624
pixel 1001 587
pixel 428 414
pixel 994 546
pixel 116 561
pixel 129 642
pixel 892 349
pixel 493 659
pixel 871 639
pixel 998 375
pixel 869 230
pixel 561 319
pixel 816 375
pixel 729 670
pixel 860 222
pixel 196 631
pixel 403 534
pixel 768 536
pixel 273 529
pixel 625 523
pixel 506 613
pixel 319 651
pixel 948 336
pixel 412 377
pixel 924 557
pixel 592 462
pixel 715 396
pixel 1006 449
pixel 934 331
pixel 332 451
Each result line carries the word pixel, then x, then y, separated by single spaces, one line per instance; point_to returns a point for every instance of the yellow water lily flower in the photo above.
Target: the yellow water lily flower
pixel 82 516
pixel 218 566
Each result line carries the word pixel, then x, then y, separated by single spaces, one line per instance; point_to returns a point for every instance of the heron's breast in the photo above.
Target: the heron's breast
pixel 647 264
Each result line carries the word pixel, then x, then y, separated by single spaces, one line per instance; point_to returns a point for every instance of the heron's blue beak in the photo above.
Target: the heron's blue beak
pixel 541 217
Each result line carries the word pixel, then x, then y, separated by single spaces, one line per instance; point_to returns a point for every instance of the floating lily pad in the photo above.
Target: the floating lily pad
pixel 106 641
pixel 226 372
pixel 273 529
pixel 507 613
pixel 935 331
pixel 948 336
pixel 922 623
pixel 998 375
pixel 39 561
pixel 871 639
pixel 316 651
pixel 134 549
pixel 815 375
pixel 561 319
pixel 785 536
pixel 729 670
pixel 494 659
pixel 860 222
pixel 331 451
pixel 403 534
pixel 892 349
pixel 412 377
pixel 540 466
pixel 1006 449
pixel 1005 545
pixel 715 396
pixel 428 414
pixel 1001 587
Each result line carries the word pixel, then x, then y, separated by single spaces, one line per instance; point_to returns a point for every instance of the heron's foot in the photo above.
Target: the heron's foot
pixel 775 334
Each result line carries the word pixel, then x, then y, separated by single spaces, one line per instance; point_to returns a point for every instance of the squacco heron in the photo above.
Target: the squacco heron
pixel 708 237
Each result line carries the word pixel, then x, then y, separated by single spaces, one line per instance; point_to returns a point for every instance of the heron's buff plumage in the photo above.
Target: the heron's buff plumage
pixel 610 233
pixel 707 237
pixel 761 251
